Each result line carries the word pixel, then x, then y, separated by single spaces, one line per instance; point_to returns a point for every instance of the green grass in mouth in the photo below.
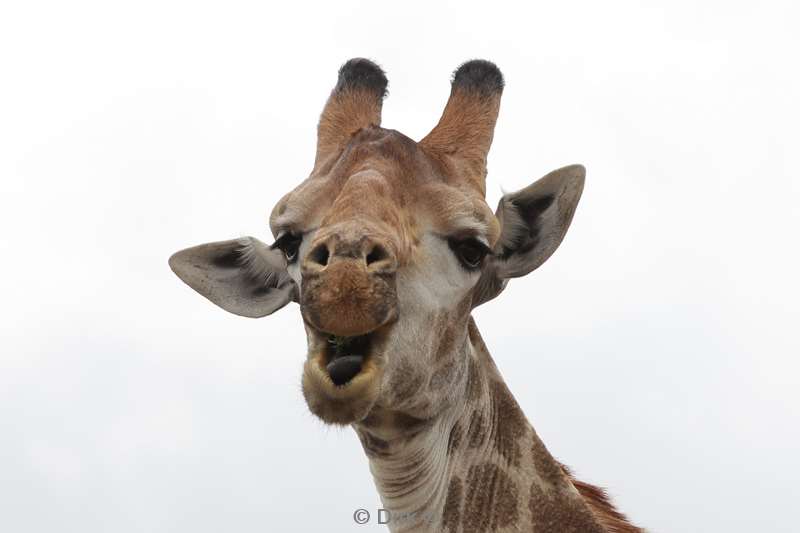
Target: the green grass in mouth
pixel 339 343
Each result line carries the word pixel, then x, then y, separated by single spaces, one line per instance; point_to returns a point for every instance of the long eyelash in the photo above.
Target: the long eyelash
pixel 485 247
pixel 453 242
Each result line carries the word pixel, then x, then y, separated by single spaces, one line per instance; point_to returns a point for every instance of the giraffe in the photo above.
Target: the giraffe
pixel 387 247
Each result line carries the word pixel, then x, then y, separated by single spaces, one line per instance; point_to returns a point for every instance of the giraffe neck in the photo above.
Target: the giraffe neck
pixel 477 467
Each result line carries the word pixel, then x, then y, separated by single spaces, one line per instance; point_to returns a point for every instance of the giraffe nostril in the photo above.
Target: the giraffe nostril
pixel 378 253
pixel 320 255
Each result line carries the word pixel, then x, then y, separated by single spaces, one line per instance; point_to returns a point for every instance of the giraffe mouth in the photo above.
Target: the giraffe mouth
pixel 342 375
pixel 345 356
pixel 346 360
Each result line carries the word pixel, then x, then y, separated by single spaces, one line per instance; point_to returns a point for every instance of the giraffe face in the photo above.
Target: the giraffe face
pixel 387 246
pixel 386 250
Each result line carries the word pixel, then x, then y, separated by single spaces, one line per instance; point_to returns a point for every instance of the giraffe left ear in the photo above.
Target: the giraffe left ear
pixel 533 223
pixel 243 276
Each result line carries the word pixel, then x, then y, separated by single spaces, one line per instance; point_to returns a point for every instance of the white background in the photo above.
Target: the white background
pixel 656 352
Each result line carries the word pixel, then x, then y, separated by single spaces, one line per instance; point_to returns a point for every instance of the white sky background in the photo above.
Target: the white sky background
pixel 656 352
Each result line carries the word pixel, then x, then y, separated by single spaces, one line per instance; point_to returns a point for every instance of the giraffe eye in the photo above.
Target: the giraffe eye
pixel 289 244
pixel 470 252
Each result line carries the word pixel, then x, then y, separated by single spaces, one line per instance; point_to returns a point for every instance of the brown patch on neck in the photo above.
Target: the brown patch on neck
pixel 452 333
pixel 444 375
pixel 509 425
pixel 474 381
pixel 410 426
pixel 446 343
pixel 548 469
pixel 451 514
pixel 558 511
pixel 475 337
pixel 476 433
pixel 554 507
pixel 557 507
pixel 454 441
pixel 491 499
pixel 405 384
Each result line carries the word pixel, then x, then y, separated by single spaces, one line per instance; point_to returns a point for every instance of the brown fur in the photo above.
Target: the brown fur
pixel 491 499
pixel 602 507
pixel 456 433
pixel 474 381
pixel 344 114
pixel 464 134
pixel 558 512
pixel 447 337
pixel 476 433
pixel 451 516
pixel 405 383
pixel 346 300
pixel 444 375
pixel 510 424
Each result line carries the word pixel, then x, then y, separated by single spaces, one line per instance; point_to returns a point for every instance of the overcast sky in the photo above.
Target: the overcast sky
pixel 656 352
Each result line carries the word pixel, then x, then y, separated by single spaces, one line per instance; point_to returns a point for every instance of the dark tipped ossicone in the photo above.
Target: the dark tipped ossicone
pixel 478 75
pixel 360 73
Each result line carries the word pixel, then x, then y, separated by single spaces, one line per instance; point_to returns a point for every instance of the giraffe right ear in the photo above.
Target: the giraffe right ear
pixel 243 276
pixel 533 223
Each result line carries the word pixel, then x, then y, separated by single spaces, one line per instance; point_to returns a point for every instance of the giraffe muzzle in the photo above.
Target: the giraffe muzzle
pixel 346 299
pixel 342 374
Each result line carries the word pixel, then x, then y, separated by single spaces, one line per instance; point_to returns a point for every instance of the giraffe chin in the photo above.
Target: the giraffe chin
pixel 334 398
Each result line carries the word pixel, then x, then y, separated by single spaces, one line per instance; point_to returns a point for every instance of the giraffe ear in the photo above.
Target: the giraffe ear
pixel 533 224
pixel 243 276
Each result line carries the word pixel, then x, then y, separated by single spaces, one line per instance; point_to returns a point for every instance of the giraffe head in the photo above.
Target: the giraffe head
pixel 387 246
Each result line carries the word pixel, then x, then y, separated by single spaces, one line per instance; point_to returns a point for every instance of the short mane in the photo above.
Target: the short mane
pixel 601 506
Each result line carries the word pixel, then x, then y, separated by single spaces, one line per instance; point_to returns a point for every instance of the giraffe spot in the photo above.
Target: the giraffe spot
pixel 405 383
pixel 510 423
pixel 491 499
pixel 376 418
pixel 475 337
pixel 443 375
pixel 447 338
pixel 464 307
pixel 560 511
pixel 546 467
pixel 454 441
pixel 476 432
pixel 554 506
pixel 450 330
pixel 452 506
pixel 474 378
pixel 411 425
